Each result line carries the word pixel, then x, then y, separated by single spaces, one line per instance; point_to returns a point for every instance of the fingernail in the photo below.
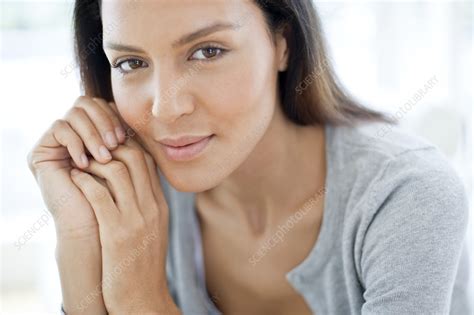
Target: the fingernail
pixel 74 172
pixel 84 160
pixel 104 152
pixel 110 138
pixel 120 133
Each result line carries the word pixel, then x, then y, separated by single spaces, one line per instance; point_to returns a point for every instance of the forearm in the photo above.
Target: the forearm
pixel 79 265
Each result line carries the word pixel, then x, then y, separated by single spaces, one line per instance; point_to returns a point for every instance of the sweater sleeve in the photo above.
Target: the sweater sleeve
pixel 412 246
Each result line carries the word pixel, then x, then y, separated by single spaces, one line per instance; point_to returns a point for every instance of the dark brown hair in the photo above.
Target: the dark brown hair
pixel 310 91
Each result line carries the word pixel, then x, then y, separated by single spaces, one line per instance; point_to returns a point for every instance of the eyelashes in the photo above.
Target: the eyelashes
pixel 128 65
pixel 127 62
pixel 210 48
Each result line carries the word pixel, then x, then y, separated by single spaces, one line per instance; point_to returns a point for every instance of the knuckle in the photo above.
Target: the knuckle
pixel 138 225
pixel 98 194
pixel 93 110
pixel 81 179
pixel 80 101
pixel 57 130
pixel 58 124
pixel 117 167
pixel 74 112
pixel 135 154
pixel 30 159
pixel 154 217
pixel 99 100
pixel 120 237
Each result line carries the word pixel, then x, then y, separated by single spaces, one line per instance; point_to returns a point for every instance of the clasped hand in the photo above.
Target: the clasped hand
pixel 132 213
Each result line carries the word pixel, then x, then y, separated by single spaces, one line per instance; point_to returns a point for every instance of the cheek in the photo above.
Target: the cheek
pixel 241 93
pixel 240 102
pixel 133 110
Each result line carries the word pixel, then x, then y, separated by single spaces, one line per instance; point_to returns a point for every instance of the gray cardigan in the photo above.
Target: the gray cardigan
pixel 391 240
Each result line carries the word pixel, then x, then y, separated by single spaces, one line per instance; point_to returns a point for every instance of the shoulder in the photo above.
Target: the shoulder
pixel 376 142
pixel 380 165
pixel 405 217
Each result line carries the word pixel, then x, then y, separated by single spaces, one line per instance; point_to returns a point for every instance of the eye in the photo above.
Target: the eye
pixel 128 65
pixel 208 52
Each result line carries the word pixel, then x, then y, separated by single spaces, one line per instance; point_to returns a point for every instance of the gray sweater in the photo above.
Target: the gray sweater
pixel 391 240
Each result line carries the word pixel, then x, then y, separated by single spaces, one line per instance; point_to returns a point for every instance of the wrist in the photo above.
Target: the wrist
pixel 79 265
pixel 75 250
pixel 85 233
pixel 166 306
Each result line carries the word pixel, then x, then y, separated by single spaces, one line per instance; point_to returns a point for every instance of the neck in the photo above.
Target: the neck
pixel 284 170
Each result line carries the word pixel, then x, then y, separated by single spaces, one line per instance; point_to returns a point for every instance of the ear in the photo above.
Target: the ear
pixel 282 52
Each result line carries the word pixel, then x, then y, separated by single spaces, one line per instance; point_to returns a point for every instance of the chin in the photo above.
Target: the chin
pixel 184 180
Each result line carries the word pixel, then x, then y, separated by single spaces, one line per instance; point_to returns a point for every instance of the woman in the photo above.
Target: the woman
pixel 277 193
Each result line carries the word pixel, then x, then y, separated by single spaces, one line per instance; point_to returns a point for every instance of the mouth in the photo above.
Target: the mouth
pixel 186 148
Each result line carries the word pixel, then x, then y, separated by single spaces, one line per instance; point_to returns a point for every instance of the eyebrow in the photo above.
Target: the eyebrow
pixel 183 40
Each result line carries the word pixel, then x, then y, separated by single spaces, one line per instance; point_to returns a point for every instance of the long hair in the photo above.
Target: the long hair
pixel 309 89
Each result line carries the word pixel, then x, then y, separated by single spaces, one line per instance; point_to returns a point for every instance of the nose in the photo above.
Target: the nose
pixel 171 98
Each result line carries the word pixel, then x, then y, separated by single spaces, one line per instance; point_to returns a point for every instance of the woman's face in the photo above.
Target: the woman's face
pixel 220 82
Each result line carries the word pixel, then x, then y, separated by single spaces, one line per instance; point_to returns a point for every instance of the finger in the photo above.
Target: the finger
pixel 117 177
pixel 101 120
pixel 83 126
pixel 113 116
pixel 64 135
pixel 128 131
pixel 151 166
pixel 103 182
pixel 154 177
pixel 100 180
pixel 112 106
pixel 98 196
pixel 134 159
pixel 134 138
pixel 155 180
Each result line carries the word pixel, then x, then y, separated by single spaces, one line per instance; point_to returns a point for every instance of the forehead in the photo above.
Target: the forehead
pixel 167 19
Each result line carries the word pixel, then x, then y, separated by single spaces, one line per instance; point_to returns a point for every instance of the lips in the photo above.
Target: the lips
pixel 182 141
pixel 185 148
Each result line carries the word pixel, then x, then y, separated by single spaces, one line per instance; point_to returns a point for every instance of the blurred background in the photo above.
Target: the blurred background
pixel 411 59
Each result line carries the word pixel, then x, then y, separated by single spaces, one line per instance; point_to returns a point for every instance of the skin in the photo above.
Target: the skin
pixel 111 217
pixel 241 180
pixel 234 96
